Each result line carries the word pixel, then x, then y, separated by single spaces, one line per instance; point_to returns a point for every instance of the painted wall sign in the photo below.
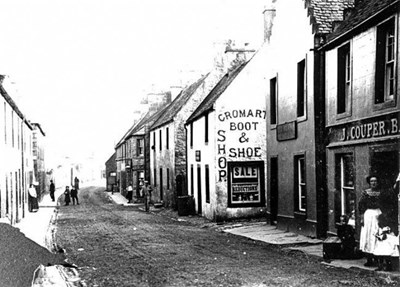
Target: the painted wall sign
pixel 376 127
pixel 243 126
pixel 286 131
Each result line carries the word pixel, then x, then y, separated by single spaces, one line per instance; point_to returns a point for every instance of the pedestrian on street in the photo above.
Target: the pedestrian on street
pixel 146 190
pixel 52 190
pixel 76 183
pixel 67 195
pixel 130 193
pixel 74 195
pixel 32 200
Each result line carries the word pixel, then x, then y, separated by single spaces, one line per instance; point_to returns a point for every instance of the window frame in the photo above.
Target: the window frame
pixel 344 80
pixel 300 184
pixel 302 89
pixel 382 99
pixel 273 96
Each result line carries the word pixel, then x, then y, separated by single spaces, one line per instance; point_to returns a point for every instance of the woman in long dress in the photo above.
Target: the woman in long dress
pixel 369 209
pixel 32 199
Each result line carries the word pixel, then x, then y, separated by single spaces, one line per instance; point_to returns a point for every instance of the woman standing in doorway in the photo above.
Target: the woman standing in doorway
pixel 369 210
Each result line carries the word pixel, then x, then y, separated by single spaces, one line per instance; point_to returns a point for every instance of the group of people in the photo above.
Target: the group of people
pixel 72 193
pixel 379 238
pixel 144 192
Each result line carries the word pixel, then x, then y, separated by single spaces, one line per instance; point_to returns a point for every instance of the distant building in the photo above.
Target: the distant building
pixel 38 146
pixel 111 173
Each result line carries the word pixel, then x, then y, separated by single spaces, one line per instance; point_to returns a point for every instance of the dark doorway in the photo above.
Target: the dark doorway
pixel 199 200
pixel 274 191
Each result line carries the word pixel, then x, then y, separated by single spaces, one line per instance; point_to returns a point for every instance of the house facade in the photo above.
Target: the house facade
pixel 362 105
pixel 16 166
pixel 297 197
pixel 226 146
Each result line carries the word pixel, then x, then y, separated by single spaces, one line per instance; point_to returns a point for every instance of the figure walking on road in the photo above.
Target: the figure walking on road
pixel 52 190
pixel 130 193
pixel 67 195
pixel 32 200
pixel 74 195
pixel 146 189
pixel 76 183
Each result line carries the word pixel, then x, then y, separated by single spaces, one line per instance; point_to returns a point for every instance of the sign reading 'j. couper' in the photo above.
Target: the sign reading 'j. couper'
pixel 235 138
pixel 376 127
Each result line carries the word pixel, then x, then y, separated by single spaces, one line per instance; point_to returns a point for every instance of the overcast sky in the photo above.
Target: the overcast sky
pixel 81 66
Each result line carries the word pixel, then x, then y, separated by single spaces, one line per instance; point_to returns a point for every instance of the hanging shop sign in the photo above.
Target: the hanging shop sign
pixel 376 127
pixel 246 184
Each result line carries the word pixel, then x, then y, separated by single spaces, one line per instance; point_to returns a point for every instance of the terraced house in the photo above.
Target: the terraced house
pixel 16 153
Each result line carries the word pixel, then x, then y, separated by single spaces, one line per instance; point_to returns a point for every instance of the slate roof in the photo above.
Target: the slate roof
pixel 323 13
pixel 150 115
pixel 207 104
pixel 364 10
pixel 171 110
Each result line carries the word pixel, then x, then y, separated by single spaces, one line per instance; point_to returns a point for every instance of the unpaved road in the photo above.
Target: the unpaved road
pixel 117 245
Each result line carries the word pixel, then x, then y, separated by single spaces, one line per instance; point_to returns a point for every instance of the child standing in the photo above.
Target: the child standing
pixel 387 245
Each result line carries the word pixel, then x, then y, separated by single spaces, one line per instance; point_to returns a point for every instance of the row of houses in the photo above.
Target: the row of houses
pixel 22 157
pixel 289 131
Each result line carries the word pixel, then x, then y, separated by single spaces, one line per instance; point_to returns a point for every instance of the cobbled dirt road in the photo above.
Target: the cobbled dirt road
pixel 115 245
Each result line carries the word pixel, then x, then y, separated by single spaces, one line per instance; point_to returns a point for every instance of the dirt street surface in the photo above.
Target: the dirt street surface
pixel 115 245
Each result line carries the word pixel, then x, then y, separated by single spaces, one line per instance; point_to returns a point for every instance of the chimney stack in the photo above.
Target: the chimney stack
pixel 269 15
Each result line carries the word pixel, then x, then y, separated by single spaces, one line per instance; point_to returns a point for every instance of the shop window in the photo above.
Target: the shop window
pixel 301 88
pixel 385 63
pixel 346 201
pixel 300 184
pixel 273 100
pixel 207 183
pixel 344 79
pixel 246 184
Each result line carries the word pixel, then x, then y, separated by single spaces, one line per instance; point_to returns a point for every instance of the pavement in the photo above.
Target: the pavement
pixel 38 228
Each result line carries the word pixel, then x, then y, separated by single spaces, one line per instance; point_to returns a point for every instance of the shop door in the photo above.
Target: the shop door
pixel 385 164
pixel 274 191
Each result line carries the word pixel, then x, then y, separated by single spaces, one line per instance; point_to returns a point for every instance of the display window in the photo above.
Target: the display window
pixel 246 184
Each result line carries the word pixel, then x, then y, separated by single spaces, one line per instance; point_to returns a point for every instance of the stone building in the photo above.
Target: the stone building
pixel 362 105
pixel 16 165
pixel 168 135
pixel 226 146
pixel 295 112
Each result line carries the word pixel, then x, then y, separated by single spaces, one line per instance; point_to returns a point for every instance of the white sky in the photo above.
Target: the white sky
pixel 81 66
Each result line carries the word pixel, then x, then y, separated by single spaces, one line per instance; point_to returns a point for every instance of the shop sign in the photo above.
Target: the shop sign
pixel 242 126
pixel 376 127
pixel 245 184
pixel 286 131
